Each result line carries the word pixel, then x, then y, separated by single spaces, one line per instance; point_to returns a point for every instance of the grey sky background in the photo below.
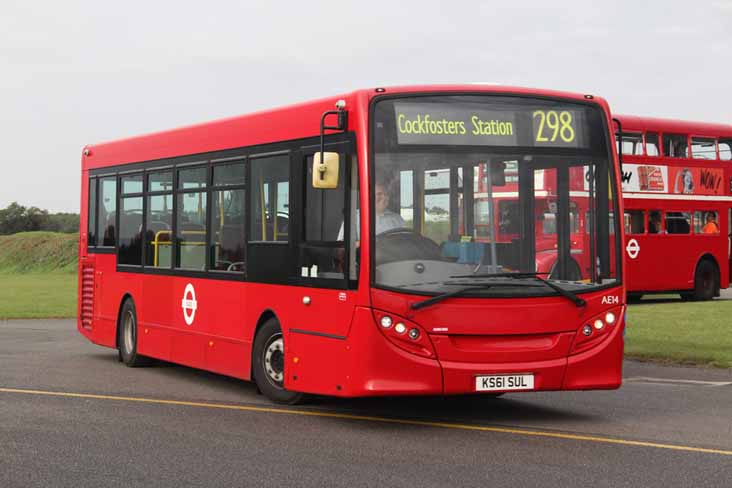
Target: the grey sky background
pixel 78 72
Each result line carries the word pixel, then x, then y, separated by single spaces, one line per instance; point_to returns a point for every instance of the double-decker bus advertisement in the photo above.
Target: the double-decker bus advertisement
pixel 417 241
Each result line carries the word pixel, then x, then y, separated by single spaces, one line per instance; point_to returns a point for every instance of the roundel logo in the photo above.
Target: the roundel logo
pixel 633 248
pixel 189 304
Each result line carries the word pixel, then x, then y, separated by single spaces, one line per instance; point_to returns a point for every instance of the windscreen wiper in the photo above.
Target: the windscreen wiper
pixel 578 301
pixel 460 291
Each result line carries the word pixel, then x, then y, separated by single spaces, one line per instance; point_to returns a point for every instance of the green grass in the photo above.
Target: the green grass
pixel 38 275
pixel 38 252
pixel 36 295
pixel 697 333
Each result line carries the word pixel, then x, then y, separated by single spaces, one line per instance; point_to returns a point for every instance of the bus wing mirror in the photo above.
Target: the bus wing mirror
pixel 325 170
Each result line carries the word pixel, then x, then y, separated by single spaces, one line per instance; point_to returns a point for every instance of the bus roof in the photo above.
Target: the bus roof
pixel 289 122
pixel 632 123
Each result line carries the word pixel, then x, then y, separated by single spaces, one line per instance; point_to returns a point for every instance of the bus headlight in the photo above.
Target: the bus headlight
pixel 386 321
pixel 599 324
pixel 400 328
pixel 610 318
pixel 404 334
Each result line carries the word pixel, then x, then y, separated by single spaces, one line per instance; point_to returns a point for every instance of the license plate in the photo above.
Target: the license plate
pixel 504 382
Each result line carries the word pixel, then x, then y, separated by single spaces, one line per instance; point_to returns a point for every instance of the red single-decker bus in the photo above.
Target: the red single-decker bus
pixel 349 246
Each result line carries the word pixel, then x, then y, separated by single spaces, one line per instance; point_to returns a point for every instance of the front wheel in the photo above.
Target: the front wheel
pixel 268 364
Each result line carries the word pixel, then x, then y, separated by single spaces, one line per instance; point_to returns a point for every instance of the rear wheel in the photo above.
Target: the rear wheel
pixel 705 280
pixel 127 337
pixel 268 364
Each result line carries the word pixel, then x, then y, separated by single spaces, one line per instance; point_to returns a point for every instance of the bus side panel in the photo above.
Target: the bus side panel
pixel 110 288
pixel 154 316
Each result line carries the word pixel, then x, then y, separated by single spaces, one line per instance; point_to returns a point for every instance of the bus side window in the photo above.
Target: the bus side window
pixel 92 213
pixel 632 143
pixel 107 212
pixel 652 144
pixel 703 148
pixel 654 222
pixel 228 229
pixel 706 222
pixel 675 146
pixel 725 149
pixel 270 199
pixel 635 221
pixel 678 222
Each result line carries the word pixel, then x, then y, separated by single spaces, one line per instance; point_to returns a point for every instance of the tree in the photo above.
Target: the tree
pixel 17 218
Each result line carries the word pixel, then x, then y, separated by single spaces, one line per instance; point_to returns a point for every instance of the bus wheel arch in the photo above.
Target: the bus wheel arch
pixel 706 278
pixel 267 361
pixel 117 335
pixel 127 327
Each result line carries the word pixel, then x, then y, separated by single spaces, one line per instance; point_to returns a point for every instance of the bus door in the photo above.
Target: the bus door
pixel 327 240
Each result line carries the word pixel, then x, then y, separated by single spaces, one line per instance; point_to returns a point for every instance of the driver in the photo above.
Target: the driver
pixel 385 219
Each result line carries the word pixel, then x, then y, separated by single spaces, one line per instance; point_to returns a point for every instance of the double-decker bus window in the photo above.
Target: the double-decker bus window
pixel 270 199
pixel 678 222
pixel 655 222
pixel 107 211
pixel 706 222
pixel 632 143
pixel 635 222
pixel 190 241
pixel 92 213
pixel 228 226
pixel 652 144
pixel 159 248
pixel 130 231
pixel 703 148
pixel 675 146
pixel 725 149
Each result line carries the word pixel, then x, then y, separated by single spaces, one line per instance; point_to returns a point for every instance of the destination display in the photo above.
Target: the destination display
pixel 464 124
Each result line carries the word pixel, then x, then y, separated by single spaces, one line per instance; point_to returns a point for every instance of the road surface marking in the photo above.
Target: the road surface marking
pixel 645 379
pixel 368 418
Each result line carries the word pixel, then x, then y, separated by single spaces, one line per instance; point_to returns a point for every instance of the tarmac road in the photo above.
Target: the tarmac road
pixel 71 415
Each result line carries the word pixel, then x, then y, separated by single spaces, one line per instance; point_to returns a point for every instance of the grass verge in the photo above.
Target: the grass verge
pixel 698 333
pixel 37 295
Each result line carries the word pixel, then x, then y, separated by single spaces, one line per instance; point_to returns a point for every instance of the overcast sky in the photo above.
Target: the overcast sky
pixel 79 72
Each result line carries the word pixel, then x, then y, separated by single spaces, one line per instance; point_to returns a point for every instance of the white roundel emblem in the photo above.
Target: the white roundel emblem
pixel 189 304
pixel 633 248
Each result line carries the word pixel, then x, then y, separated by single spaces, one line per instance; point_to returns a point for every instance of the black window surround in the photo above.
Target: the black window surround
pixel 210 161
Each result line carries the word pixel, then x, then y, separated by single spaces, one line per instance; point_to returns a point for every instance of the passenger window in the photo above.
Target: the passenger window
pixel 635 222
pixel 192 178
pixel 706 222
pixel 107 211
pixel 160 181
pixel 130 231
pixel 190 242
pixel 703 148
pixel 131 184
pixel 675 146
pixel 632 143
pixel 159 253
pixel 678 222
pixel 406 197
pixel 725 149
pixel 652 144
pixel 228 227
pixel 270 199
pixel 92 214
pixel 654 222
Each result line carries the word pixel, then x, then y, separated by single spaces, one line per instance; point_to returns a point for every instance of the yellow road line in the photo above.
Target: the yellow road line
pixel 368 418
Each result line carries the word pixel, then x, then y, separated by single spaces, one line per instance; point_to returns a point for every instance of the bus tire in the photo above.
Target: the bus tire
pixel 127 337
pixel 705 280
pixel 268 364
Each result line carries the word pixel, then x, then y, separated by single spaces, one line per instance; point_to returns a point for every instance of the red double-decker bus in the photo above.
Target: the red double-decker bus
pixel 677 189
pixel 335 247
